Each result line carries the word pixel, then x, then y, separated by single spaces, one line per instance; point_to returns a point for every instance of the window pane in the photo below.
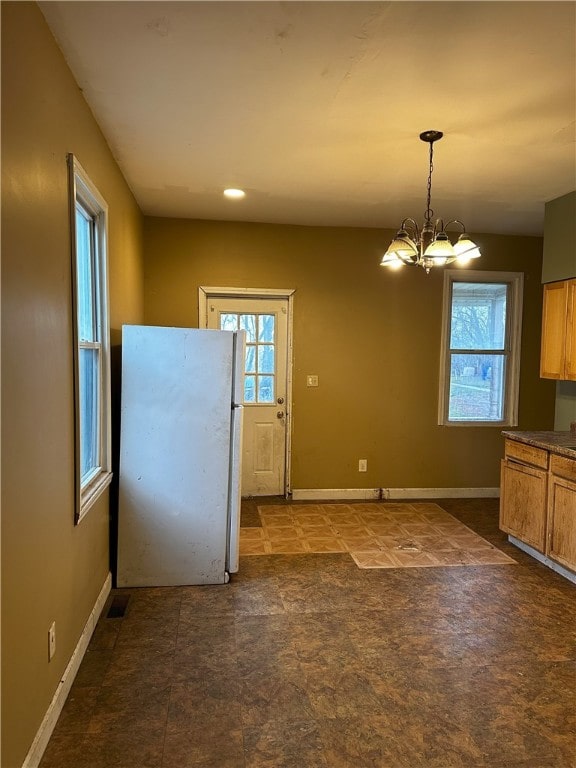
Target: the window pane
pixel 478 319
pixel 265 389
pixel 89 410
pixel 248 324
pixel 85 276
pixel 266 328
pixel 249 389
pixel 228 322
pixel 250 359
pixel 476 388
pixel 266 358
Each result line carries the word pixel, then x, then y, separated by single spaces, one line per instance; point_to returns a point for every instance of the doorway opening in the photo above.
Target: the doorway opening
pixel 266 316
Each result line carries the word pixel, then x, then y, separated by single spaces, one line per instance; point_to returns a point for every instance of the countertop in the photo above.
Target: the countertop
pixel 561 443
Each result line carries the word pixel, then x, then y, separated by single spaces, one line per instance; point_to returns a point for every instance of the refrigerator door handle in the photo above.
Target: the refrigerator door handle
pixel 235 491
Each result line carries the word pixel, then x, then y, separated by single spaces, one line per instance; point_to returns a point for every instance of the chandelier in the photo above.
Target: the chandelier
pixel 429 246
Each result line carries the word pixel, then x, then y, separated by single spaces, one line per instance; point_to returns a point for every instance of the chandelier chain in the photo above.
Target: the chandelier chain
pixel 429 212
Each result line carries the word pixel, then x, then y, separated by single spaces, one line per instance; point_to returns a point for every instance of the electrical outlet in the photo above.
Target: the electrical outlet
pixel 362 465
pixel 52 641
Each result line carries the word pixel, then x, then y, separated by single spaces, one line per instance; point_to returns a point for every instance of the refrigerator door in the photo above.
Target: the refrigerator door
pixel 234 497
pixel 239 367
pixel 175 456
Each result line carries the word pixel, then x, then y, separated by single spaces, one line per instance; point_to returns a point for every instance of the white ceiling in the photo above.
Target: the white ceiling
pixel 314 108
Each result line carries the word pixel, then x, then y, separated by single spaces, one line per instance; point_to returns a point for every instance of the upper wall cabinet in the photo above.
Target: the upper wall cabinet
pixel 558 351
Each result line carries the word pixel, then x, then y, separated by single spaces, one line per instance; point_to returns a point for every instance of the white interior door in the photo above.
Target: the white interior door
pixel 265 321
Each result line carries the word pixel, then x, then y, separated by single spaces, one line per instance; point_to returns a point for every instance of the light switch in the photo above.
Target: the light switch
pixel 311 381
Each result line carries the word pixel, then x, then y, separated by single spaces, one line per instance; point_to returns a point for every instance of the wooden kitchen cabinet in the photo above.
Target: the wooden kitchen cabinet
pixel 523 502
pixel 561 544
pixel 558 349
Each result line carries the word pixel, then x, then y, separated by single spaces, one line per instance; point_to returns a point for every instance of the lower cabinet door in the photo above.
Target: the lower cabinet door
pixel 523 497
pixel 562 522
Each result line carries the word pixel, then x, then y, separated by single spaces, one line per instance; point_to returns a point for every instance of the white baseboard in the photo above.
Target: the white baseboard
pixel 326 494
pixel 440 493
pixel 570 575
pixel 50 718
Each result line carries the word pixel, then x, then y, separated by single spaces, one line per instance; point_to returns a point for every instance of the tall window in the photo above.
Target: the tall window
pixel 480 348
pixel 91 339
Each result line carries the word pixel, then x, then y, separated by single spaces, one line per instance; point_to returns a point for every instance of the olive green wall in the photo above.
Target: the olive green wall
pixel 371 335
pixel 51 569
pixel 559 262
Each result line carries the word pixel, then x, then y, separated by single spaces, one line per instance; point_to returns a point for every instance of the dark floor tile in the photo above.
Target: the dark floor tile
pixel 319 663
pixel 272 697
pixel 127 708
pixel 199 704
pixel 275 744
pixel 64 750
pixel 78 710
pixel 138 667
pixel 259 599
pixel 105 634
pixel 148 631
pixel 124 748
pixel 217 747
pixel 93 668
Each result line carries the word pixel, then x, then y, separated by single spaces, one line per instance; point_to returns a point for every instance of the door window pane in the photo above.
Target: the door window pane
pixel 265 389
pixel 260 365
pixel 248 324
pixel 266 358
pixel 250 359
pixel 229 322
pixel 266 328
pixel 250 389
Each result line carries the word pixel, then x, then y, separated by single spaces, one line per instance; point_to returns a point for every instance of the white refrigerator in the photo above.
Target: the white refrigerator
pixel 180 456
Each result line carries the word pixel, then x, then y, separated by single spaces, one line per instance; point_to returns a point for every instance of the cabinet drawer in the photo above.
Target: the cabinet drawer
pixel 526 453
pixel 563 467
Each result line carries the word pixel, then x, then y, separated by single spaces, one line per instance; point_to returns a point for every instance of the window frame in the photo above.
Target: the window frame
pixel 512 345
pixel 83 193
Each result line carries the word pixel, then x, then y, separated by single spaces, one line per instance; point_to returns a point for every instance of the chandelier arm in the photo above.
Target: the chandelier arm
pixel 413 226
pixel 455 221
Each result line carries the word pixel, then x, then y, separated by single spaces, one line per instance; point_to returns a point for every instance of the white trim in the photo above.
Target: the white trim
pixel 82 191
pixel 570 575
pixel 211 292
pixel 440 493
pixel 92 491
pixel 511 352
pixel 53 713
pixel 310 494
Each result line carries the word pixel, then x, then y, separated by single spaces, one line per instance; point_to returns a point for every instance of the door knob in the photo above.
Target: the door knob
pixel 280 415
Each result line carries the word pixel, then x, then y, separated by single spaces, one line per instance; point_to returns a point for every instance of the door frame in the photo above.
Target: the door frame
pixel 205 293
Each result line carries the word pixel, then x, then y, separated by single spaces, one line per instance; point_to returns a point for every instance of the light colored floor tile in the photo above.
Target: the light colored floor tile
pixel 386 535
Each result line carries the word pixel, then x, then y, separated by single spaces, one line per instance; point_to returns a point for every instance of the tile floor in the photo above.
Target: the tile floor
pixel 377 535
pixel 307 661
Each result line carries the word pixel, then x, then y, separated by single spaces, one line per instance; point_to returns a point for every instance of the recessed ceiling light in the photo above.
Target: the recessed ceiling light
pixel 234 194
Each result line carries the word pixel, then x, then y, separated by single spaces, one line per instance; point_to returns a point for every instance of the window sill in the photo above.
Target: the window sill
pixel 92 492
